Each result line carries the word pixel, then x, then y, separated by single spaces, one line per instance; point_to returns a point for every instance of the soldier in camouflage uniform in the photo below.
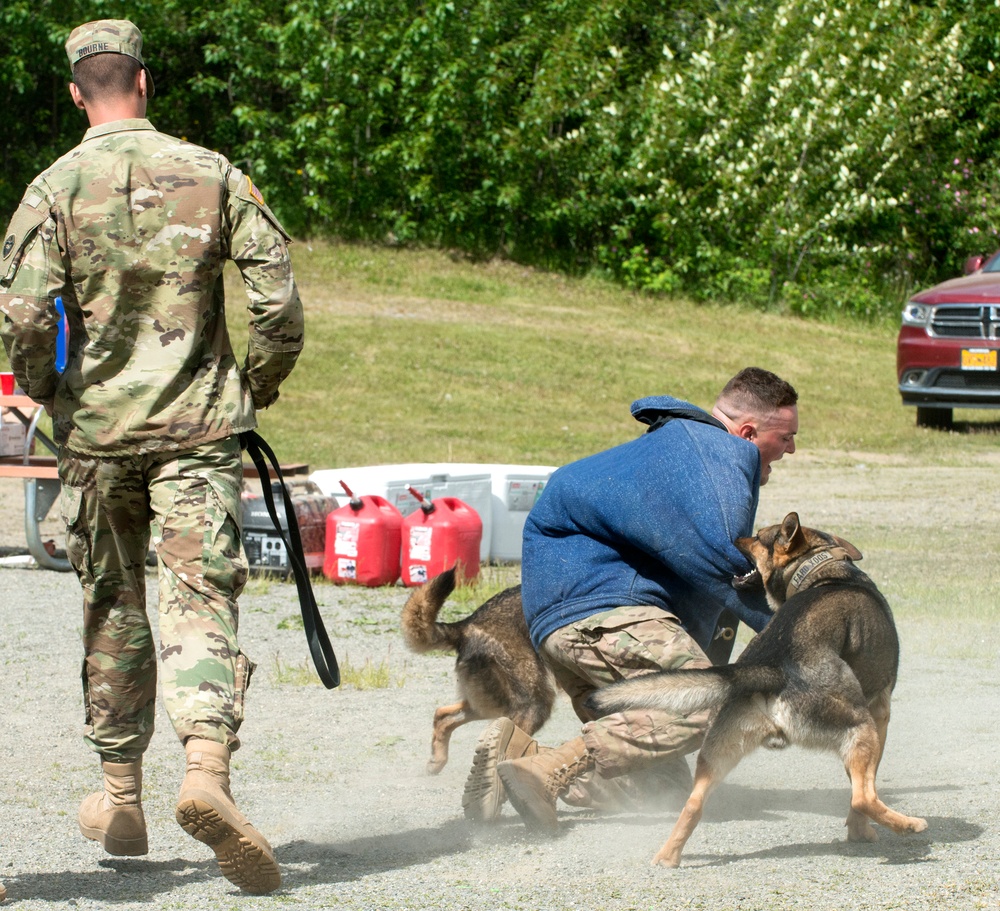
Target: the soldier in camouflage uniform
pixel 628 560
pixel 132 229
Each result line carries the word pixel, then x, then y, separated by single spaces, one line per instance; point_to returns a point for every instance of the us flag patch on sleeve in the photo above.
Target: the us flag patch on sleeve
pixel 254 192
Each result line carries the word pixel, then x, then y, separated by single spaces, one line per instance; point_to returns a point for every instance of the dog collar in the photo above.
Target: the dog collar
pixel 816 560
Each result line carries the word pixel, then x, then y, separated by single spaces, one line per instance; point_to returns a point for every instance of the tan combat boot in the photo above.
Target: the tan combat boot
pixel 114 816
pixel 206 811
pixel 484 792
pixel 533 784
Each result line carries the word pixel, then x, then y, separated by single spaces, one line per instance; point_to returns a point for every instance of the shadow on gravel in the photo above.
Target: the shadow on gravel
pixel 913 851
pixel 302 863
pixel 732 801
pixel 892 849
pixel 347 861
pixel 113 881
pixel 350 860
pixel 305 862
pixel 740 803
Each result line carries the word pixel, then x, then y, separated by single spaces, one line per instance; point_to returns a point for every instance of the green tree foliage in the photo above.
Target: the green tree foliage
pixel 814 155
pixel 41 122
pixel 782 147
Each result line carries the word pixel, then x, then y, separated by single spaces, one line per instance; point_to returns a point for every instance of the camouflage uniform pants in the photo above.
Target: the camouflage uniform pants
pixel 641 750
pixel 190 502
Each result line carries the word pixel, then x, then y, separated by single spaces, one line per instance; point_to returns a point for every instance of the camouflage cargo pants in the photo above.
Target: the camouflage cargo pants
pixel 190 503
pixel 637 753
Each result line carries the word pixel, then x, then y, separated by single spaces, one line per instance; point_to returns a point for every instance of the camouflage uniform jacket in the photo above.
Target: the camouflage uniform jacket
pixel 132 229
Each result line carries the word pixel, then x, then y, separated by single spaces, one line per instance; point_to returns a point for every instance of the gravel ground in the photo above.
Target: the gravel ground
pixel 336 779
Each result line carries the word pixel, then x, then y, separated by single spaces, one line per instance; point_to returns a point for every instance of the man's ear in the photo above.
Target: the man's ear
pixel 747 431
pixel 143 87
pixel 74 93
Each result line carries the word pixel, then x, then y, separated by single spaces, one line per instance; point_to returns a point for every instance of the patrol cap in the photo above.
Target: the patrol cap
pixel 107 36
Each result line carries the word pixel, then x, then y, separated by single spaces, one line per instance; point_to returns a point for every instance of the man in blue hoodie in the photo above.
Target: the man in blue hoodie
pixel 627 569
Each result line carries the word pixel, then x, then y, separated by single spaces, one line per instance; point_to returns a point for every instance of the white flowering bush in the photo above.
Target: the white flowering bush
pixel 786 149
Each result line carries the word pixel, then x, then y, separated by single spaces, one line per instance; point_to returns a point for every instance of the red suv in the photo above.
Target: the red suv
pixel 946 353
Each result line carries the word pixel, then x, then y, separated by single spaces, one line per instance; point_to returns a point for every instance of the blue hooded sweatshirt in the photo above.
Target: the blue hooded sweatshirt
pixel 651 522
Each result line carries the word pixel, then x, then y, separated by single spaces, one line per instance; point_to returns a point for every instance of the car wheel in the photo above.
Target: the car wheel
pixel 935 418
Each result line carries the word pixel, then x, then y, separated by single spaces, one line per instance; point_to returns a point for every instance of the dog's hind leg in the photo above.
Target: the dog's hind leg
pixel 737 731
pixel 861 758
pixel 859 828
pixel 446 719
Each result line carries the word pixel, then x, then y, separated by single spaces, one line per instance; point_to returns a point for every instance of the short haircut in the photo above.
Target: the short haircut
pixel 756 391
pixel 106 75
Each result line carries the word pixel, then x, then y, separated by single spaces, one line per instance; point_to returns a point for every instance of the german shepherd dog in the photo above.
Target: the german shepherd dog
pixel 820 674
pixel 498 671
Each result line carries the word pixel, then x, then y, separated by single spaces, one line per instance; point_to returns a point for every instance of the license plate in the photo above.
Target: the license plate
pixel 979 358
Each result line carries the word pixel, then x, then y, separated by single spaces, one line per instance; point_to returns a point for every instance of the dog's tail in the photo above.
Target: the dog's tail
pixel 686 691
pixel 421 630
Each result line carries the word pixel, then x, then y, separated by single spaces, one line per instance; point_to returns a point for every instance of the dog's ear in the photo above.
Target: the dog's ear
pixel 852 551
pixel 791 537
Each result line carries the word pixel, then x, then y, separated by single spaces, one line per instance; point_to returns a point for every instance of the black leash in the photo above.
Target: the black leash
pixel 319 643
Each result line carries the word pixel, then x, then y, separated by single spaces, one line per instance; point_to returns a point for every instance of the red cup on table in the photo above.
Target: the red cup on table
pixel 7 383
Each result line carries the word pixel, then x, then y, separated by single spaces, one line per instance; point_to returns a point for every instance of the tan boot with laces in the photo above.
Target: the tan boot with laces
pixel 534 783
pixel 114 816
pixel 484 792
pixel 206 811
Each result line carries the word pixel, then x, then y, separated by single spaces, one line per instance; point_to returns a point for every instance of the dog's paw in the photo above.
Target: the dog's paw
pixel 860 829
pixel 916 824
pixel 435 765
pixel 665 858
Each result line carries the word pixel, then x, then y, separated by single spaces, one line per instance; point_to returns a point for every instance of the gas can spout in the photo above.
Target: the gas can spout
pixel 427 507
pixel 356 503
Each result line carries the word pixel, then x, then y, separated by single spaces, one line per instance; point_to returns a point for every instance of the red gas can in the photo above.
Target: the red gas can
pixel 363 541
pixel 438 535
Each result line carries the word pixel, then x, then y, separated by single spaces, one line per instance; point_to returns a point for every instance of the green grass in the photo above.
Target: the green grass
pixel 370 675
pixel 415 356
pixel 295 674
